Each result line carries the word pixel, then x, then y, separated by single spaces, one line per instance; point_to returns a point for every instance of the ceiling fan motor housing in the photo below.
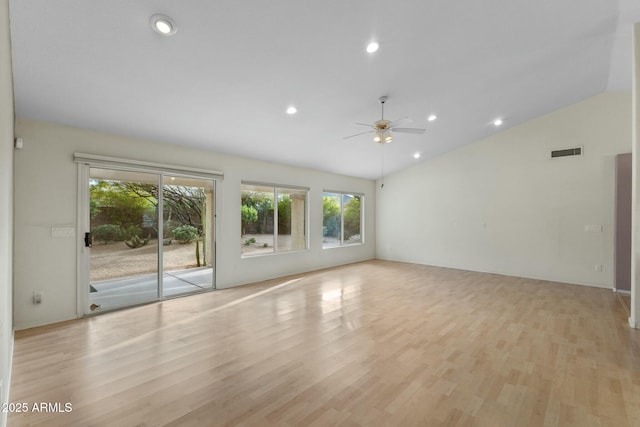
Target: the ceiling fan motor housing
pixel 382 125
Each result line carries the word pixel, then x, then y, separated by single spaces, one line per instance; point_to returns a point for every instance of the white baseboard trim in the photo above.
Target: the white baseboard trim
pixel 561 280
pixel 621 291
pixel 632 323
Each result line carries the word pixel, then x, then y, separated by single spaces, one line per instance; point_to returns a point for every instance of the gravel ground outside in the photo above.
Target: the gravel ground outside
pixel 116 260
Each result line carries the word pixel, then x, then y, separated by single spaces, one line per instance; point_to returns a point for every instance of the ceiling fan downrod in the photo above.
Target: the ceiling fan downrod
pixel 382 100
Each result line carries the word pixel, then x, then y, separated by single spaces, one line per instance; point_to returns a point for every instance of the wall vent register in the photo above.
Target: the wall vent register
pixel 567 152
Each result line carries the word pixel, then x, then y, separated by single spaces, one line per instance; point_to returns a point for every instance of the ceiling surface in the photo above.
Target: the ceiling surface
pixel 225 79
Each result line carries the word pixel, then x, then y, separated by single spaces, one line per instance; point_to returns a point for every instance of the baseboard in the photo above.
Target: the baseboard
pixel 621 291
pixel 508 274
pixel 632 323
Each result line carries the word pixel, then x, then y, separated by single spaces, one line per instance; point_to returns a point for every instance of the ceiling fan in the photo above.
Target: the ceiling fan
pixel 382 129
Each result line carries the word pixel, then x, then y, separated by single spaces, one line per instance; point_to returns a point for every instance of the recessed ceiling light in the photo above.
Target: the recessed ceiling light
pixel 292 110
pixel 497 122
pixel 416 156
pixel 432 117
pixel 163 25
pixel 372 47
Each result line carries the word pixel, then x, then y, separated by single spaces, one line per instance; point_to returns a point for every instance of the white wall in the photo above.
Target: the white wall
pixel 6 204
pixel 46 196
pixel 501 205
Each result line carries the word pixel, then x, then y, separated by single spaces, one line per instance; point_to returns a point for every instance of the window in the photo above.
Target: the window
pixel 274 219
pixel 341 219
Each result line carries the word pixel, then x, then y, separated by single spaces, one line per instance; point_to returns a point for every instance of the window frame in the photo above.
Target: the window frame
pixel 276 193
pixel 342 194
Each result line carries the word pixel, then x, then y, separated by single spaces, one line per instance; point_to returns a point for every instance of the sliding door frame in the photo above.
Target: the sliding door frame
pixel 85 163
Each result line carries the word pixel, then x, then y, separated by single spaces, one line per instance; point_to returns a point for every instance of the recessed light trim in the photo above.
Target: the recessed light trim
pixel 373 47
pixel 498 122
pixel 432 117
pixel 292 110
pixel 163 25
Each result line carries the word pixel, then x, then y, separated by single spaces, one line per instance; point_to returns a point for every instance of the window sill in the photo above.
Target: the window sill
pixel 348 245
pixel 260 255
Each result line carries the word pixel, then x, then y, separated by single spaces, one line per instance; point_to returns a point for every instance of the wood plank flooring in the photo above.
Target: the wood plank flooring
pixel 369 344
pixel 625 300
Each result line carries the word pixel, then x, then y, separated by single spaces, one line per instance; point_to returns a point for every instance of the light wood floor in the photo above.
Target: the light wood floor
pixel 374 343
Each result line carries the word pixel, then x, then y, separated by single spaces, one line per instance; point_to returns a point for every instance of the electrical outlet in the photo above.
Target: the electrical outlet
pixel 37 297
pixel 598 267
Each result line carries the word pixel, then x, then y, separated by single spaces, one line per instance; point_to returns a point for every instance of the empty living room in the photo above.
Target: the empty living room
pixel 365 213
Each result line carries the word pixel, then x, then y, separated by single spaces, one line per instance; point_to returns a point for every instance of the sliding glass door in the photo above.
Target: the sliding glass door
pixel 123 262
pixel 137 255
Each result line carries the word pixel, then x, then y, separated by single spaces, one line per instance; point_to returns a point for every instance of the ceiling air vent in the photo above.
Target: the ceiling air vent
pixel 567 152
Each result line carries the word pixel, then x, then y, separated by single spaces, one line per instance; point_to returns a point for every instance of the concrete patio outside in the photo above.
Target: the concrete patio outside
pixel 121 292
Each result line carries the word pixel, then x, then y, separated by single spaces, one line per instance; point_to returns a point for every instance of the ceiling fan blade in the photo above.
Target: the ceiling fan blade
pixel 365 124
pixel 357 134
pixel 409 130
pixel 402 121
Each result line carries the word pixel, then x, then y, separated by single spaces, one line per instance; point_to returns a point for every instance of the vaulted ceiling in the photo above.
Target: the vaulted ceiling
pixel 224 80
